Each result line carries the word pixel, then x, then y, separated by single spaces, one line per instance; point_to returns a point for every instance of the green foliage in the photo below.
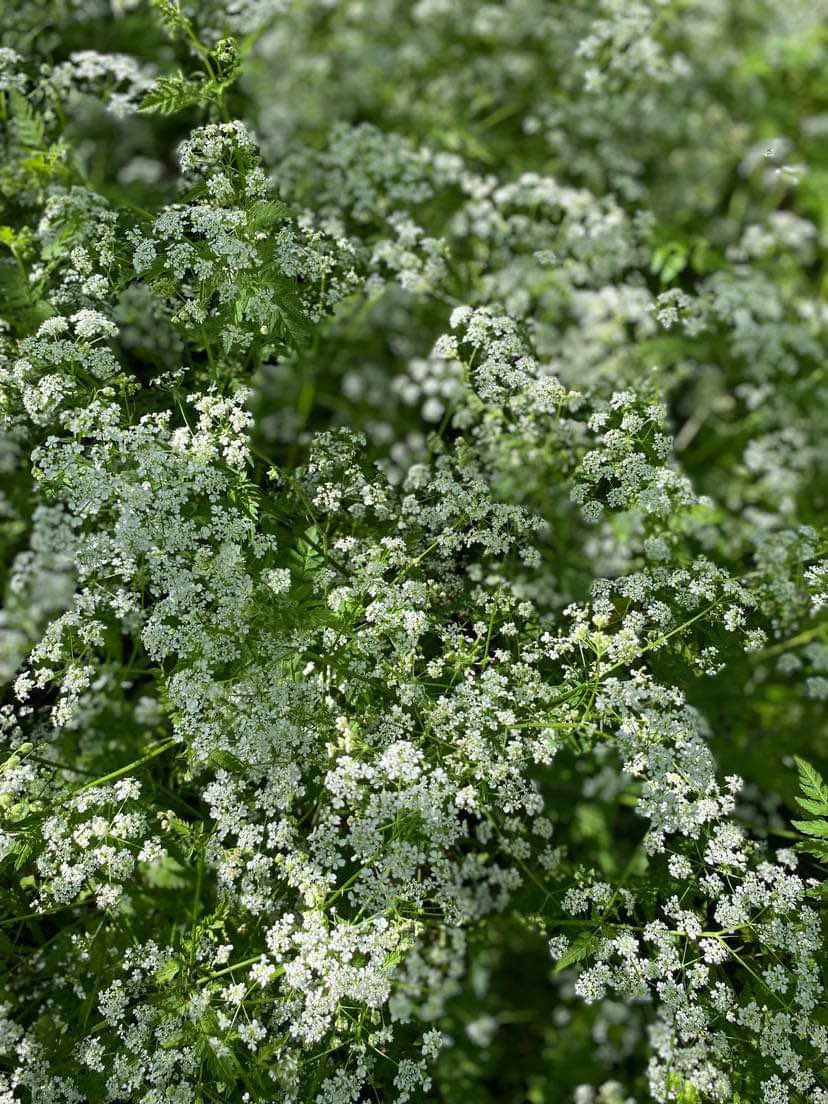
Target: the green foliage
pixel 814 800
pixel 413 552
pixel 173 93
pixel 170 94
pixel 583 946
pixel 28 126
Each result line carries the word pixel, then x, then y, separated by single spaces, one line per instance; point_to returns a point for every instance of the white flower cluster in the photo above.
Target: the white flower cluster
pixel 402 575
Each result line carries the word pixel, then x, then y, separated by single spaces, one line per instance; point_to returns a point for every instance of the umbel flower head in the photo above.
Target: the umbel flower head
pixel 414 559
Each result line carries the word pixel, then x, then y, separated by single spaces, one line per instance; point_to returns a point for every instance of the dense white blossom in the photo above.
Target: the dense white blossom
pixel 414 552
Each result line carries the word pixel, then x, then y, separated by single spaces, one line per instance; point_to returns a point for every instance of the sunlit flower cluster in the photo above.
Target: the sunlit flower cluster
pixel 414 552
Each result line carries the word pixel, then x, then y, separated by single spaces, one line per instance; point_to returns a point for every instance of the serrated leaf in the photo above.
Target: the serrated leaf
pixel 166 971
pixel 225 760
pixel 49 162
pixel 22 852
pixel 392 959
pixel 815 800
pixel 812 784
pixel 178 826
pixel 815 848
pixel 293 318
pixel 305 557
pixel 170 94
pixel 582 947
pixel 818 808
pixel 29 126
pixel 265 213
pixel 816 828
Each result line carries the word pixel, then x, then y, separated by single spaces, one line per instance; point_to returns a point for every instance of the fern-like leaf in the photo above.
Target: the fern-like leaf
pixel 170 94
pixel 578 950
pixel 814 800
pixel 28 125
pixel 813 788
pixel 816 828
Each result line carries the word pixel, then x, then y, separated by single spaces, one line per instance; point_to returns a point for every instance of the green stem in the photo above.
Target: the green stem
pixel 129 767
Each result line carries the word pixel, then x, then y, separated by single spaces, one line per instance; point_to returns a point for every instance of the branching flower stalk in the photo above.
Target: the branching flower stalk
pixel 414 552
